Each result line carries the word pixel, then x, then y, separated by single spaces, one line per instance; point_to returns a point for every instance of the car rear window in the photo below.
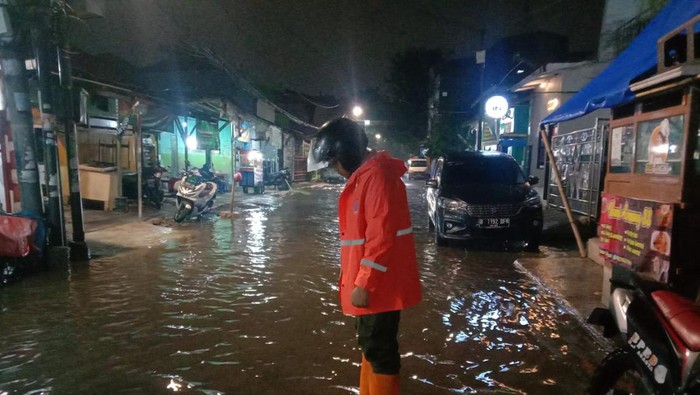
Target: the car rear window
pixel 417 163
pixel 482 171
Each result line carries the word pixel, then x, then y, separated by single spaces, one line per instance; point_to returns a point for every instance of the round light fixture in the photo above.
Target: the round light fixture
pixel 496 106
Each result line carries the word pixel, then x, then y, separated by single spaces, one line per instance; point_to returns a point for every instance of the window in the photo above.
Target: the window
pixel 483 171
pixel 622 149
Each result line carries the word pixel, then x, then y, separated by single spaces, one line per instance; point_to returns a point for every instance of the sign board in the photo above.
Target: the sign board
pixel 207 135
pixel 636 234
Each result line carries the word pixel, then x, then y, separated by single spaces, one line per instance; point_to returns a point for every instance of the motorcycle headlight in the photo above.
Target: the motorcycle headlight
pixel 451 204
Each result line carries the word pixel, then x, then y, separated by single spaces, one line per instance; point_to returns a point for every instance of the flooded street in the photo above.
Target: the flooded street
pixel 250 307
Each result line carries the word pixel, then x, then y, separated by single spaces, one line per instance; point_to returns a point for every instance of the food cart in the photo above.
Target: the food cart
pixel 650 218
pixel 252 171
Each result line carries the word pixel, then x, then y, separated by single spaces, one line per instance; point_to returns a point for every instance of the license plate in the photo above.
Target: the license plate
pixel 493 222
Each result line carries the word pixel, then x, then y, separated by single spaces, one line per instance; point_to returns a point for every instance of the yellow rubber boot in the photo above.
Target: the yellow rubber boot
pixel 384 384
pixel 365 374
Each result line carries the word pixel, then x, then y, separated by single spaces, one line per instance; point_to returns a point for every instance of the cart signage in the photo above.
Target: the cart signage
pixel 636 234
pixel 660 146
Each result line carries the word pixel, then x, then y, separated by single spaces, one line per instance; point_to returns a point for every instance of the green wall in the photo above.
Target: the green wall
pixel 221 159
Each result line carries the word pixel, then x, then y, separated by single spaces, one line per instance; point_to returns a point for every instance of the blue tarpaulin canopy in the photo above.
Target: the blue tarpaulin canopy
pixel 611 87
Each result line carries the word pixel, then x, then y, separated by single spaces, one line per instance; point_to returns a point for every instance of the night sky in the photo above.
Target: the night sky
pixel 329 47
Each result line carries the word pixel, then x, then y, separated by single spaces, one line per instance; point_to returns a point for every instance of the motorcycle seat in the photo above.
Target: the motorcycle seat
pixel 682 314
pixel 208 186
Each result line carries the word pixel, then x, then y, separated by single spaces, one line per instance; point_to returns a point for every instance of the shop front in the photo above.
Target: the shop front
pixel 198 143
pixel 118 137
pixel 650 205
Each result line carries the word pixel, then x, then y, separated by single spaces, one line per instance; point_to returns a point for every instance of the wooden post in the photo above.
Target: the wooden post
pixel 232 214
pixel 118 138
pixel 564 199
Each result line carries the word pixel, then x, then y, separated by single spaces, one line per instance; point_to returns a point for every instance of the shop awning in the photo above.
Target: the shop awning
pixel 611 87
pixel 513 140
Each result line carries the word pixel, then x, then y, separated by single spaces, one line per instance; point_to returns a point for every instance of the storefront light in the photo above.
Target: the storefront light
pixel 552 104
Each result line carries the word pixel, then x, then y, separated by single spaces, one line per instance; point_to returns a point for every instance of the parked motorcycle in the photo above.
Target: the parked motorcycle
pixel 208 175
pixel 660 330
pixel 280 180
pixel 194 196
pixel 153 185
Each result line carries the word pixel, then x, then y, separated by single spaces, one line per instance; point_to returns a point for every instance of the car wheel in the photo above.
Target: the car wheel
pixel 430 222
pixel 439 240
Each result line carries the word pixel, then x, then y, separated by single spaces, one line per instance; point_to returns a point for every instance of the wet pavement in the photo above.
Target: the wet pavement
pixel 249 306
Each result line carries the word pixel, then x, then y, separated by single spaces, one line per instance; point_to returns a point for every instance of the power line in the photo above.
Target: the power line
pixel 317 104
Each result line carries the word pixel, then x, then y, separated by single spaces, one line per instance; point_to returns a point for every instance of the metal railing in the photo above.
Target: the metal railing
pixel 580 157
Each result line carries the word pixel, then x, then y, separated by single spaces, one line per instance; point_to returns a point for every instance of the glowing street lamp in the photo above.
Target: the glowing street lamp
pixel 357 111
pixel 496 106
pixel 378 136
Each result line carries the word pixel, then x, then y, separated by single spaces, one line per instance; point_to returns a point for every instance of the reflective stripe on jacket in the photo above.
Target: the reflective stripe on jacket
pixel 377 249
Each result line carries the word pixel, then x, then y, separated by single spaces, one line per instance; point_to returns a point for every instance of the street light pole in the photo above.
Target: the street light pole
pixel 481 59
pixel 480 128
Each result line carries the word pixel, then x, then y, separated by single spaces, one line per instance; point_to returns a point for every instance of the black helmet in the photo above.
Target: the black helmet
pixel 341 139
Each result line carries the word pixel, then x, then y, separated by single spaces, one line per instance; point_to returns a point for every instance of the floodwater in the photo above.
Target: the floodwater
pixel 250 307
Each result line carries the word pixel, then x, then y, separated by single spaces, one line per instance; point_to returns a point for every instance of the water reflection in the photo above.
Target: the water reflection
pixel 250 306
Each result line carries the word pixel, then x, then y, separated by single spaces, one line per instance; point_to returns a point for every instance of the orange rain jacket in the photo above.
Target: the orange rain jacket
pixel 377 251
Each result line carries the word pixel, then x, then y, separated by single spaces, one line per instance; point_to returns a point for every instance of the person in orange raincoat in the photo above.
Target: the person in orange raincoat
pixel 378 269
